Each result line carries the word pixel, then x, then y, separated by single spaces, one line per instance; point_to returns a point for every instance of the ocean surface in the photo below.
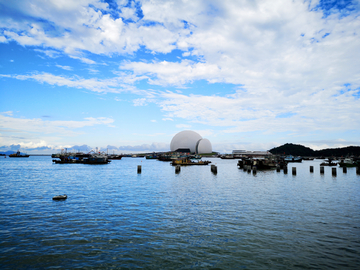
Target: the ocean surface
pixel 115 218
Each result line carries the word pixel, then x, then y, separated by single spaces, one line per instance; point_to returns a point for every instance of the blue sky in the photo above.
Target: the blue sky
pixel 128 75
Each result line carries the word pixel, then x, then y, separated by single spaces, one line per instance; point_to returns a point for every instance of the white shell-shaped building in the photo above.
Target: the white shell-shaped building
pixel 191 140
pixel 203 146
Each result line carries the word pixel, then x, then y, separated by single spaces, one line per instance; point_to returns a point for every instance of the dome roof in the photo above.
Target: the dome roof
pixel 185 139
pixel 203 147
pixel 188 139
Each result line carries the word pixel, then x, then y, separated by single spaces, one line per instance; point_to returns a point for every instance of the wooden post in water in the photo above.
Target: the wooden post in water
pixel 249 168
pixel 344 169
pixel 293 170
pixel 333 171
pixel 322 170
pixel 278 168
pixel 213 169
pixel 139 169
pixel 254 170
pixel 358 170
pixel 285 169
pixel 177 169
pixel 311 169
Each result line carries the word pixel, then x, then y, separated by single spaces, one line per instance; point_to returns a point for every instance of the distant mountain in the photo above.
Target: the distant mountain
pixel 300 150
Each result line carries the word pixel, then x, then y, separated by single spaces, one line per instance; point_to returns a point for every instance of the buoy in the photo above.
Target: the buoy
pixel 60 197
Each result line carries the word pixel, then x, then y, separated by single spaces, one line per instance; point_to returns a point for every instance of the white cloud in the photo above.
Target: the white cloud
pixel 10 113
pixel 83 59
pixel 49 53
pixel 245 112
pixel 64 67
pixel 14 124
pixel 164 73
pixel 140 102
pixel 287 62
pixel 113 85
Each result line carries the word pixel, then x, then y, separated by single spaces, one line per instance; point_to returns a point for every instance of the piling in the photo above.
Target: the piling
pixel 139 169
pixel 311 169
pixel 249 168
pixel 177 169
pixel 322 170
pixel 293 170
pixel 285 169
pixel 344 169
pixel 333 171
pixel 358 170
pixel 245 168
pixel 278 168
pixel 254 170
pixel 213 169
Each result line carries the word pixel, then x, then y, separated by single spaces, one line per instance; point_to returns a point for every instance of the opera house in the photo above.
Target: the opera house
pixel 190 141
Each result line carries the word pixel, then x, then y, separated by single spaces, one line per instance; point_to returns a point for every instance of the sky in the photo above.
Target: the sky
pixel 126 76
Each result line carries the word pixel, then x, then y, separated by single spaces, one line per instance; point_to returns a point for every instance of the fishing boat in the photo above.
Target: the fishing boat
pixel 348 162
pixel 74 158
pixel 185 161
pixel 18 154
pixel 152 156
pixel 261 163
pixel 328 162
pixel 96 159
pixel 164 157
pixel 227 157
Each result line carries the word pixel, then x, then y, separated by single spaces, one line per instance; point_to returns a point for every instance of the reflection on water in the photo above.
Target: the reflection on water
pixel 116 218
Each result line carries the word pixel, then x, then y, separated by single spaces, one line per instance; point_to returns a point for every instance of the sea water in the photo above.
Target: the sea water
pixel 115 218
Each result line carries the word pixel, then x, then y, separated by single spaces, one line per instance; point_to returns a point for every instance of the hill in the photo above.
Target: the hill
pixel 300 150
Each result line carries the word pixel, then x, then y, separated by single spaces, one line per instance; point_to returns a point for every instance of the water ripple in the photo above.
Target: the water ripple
pixel 115 218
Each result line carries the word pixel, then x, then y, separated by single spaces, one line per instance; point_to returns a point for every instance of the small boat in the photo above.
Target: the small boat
pixel 348 162
pixel 152 156
pixel 328 163
pixel 18 154
pixel 261 163
pixel 96 159
pixel 187 162
pixel 164 158
pixel 227 157
pixel 60 197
